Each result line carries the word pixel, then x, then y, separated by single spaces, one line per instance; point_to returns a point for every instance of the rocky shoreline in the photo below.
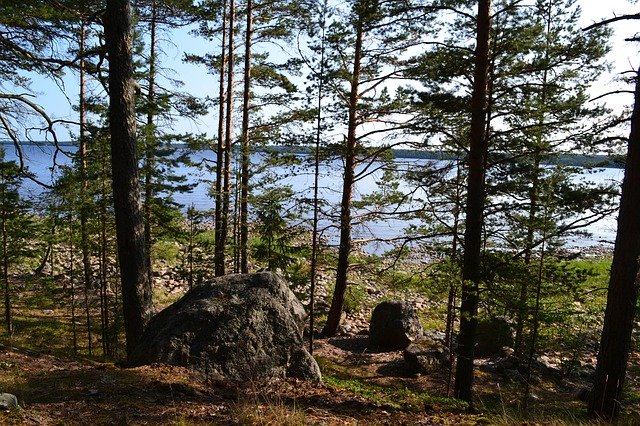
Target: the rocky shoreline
pixel 171 281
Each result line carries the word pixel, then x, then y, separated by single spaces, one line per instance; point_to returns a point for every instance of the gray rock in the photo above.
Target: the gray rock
pixel 394 325
pixel 8 401
pixel 238 327
pixel 426 356
pixel 492 336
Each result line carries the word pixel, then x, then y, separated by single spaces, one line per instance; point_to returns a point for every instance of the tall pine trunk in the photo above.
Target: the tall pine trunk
pixel 108 345
pixel 244 172
pixel 133 260
pixel 84 232
pixel 150 140
pixel 534 192
pixel 86 260
pixel 5 265
pixel 316 187
pixel 220 151
pixel 463 388
pixel 337 301
pixel 226 197
pixel 622 295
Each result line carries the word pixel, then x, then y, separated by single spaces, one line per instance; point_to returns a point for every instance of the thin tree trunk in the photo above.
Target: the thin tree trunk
pixel 523 308
pixel 87 311
pixel 84 232
pixel 224 227
pixel 219 257
pixel 5 268
pixel 150 138
pixel 107 348
pixel 74 330
pixel 463 387
pixel 536 319
pixel 133 260
pixel 191 246
pixel 453 286
pixel 316 184
pixel 337 301
pixel 451 315
pixel 533 199
pixel 236 218
pixel 244 172
pixel 622 295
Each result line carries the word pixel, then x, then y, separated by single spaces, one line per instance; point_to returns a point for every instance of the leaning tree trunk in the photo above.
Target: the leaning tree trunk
pixel 622 295
pixel 337 301
pixel 463 388
pixel 134 265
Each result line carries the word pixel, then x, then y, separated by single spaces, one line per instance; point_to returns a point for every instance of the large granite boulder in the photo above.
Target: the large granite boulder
pixel 394 325
pixel 238 327
pixel 492 335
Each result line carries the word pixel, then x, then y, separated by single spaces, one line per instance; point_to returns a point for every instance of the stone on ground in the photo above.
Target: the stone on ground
pixel 394 325
pixel 425 356
pixel 492 336
pixel 8 401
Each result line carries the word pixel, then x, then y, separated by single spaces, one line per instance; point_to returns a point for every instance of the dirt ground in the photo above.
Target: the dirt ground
pixel 55 391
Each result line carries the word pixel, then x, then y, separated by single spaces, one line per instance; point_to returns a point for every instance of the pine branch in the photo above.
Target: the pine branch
pixel 612 20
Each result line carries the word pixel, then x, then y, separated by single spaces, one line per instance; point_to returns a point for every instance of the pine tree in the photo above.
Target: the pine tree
pixel 527 122
pixel 622 294
pixel 134 266
pixel 15 227
pixel 158 154
pixel 552 115
pixel 374 36
pixel 265 23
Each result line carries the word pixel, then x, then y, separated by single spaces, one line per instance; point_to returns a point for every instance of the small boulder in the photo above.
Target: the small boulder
pixel 492 336
pixel 426 356
pixel 8 401
pixel 238 327
pixel 394 325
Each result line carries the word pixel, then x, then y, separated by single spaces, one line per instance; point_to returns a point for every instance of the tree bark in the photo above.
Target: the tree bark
pixel 5 268
pixel 463 388
pixel 150 138
pixel 622 295
pixel 337 301
pixel 224 226
pixel 134 266
pixel 84 232
pixel 244 173
pixel 316 187
pixel 220 151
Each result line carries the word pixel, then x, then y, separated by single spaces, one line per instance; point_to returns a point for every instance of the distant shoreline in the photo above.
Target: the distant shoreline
pixel 577 160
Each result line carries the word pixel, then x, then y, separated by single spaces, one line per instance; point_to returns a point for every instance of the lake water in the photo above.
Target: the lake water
pixel 39 160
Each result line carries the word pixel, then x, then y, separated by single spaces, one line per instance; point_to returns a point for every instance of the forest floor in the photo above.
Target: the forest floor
pixel 361 387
